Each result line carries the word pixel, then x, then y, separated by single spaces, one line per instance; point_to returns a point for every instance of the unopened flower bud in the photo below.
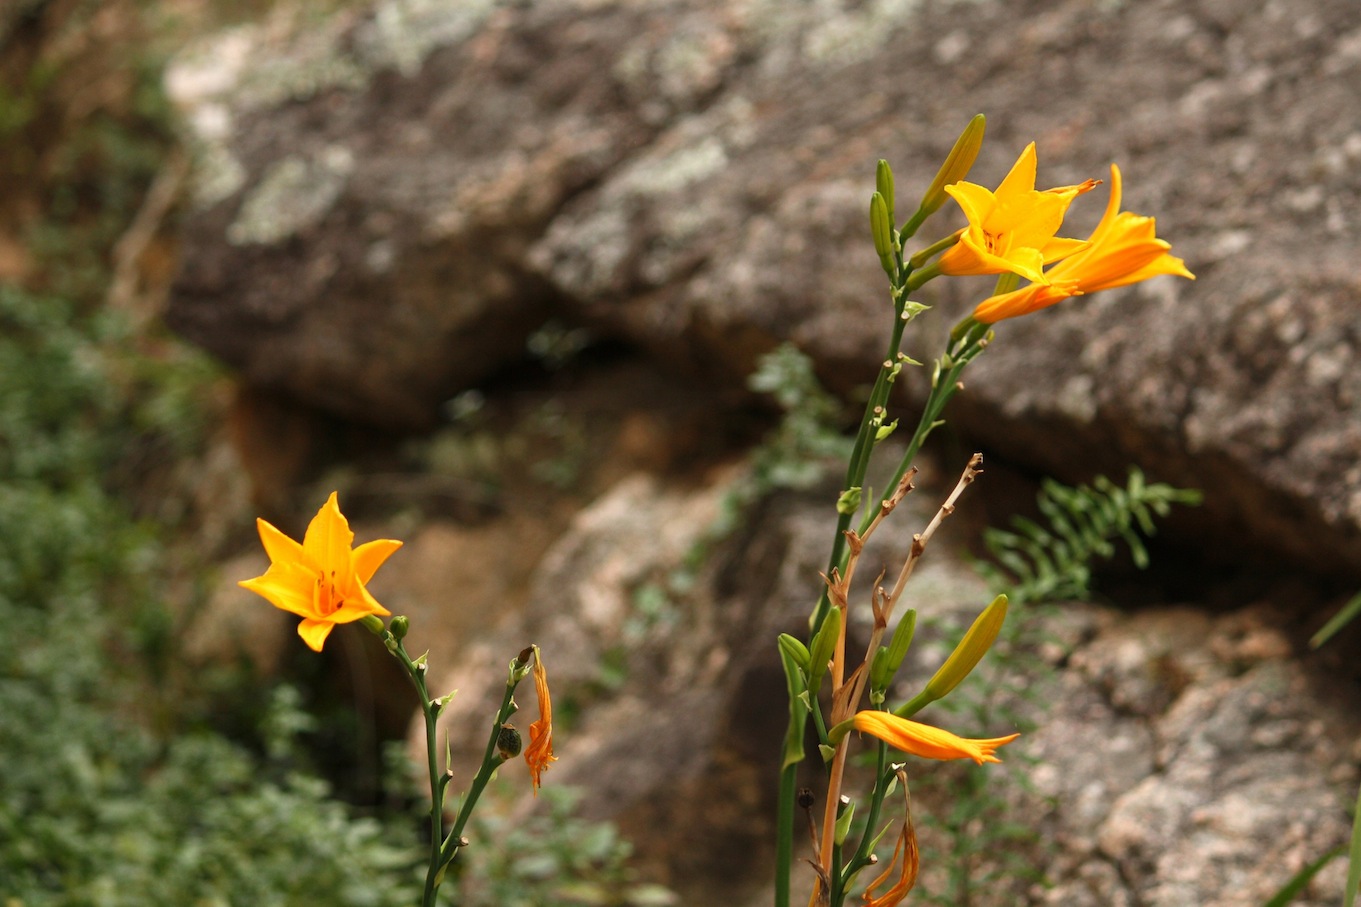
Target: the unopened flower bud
pixel 883 183
pixel 965 657
pixel 881 228
pixel 970 651
pixel 955 168
pixel 889 658
pixel 399 626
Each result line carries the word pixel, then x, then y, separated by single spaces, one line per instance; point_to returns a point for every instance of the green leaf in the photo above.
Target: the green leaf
pixel 1338 621
pixel 798 710
pixel 1300 880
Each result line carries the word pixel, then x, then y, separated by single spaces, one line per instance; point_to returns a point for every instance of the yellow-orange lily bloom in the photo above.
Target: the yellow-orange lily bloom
pixel 1013 228
pixel 927 741
pixel 323 580
pixel 539 753
pixel 1123 249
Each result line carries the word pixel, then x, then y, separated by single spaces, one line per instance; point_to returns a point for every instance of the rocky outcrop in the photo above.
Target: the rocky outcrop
pixel 1170 758
pixel 393 198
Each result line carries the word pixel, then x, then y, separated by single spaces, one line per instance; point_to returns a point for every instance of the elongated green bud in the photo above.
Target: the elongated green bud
pixel 955 168
pixel 889 658
pixel 882 229
pixel 883 182
pixel 820 652
pixel 795 649
pixel 970 650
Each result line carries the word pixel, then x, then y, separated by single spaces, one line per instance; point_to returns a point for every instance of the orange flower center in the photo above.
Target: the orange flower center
pixel 326 599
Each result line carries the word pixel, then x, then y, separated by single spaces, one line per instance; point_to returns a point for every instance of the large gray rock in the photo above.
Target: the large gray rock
pixel 393 198
pixel 371 185
pixel 1174 759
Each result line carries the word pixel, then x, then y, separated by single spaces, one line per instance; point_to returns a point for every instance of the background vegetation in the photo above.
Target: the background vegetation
pixel 127 781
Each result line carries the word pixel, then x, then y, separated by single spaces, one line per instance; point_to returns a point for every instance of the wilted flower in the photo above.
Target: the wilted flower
pixel 906 850
pixel 323 580
pixel 926 741
pixel 1013 228
pixel 539 753
pixel 1121 250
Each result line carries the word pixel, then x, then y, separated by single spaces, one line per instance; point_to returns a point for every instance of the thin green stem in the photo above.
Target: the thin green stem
pixel 837 894
pixel 491 761
pixel 944 388
pixel 416 674
pixel 861 857
pixel 860 453
pixel 436 787
pixel 442 847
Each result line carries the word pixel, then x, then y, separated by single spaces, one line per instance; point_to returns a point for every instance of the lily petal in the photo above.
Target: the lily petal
pixel 314 632
pixel 369 556
pixel 927 741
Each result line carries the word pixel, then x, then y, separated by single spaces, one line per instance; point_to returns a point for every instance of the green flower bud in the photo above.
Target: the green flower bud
pixel 399 626
pixel 820 652
pixel 798 707
pixel 883 182
pixel 794 649
pixel 970 651
pixel 955 168
pixel 881 228
pixel 889 658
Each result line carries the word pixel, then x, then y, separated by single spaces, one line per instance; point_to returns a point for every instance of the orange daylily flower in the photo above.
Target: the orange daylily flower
pixel 539 753
pixel 323 580
pixel 1123 249
pixel 927 741
pixel 906 848
pixel 1013 228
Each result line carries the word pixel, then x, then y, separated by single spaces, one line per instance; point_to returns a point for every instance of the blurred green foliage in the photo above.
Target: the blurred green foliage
pixel 551 859
pixel 121 783
pixel 107 796
pixel 95 808
pixel 1049 563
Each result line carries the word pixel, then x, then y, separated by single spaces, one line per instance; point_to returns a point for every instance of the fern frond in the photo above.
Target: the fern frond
pixel 1035 562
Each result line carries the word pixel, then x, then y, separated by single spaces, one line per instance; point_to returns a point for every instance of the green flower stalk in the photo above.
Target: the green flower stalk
pixel 324 581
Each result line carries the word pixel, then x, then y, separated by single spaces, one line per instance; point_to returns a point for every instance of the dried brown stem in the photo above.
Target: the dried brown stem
pixel 846 693
pixel 919 542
